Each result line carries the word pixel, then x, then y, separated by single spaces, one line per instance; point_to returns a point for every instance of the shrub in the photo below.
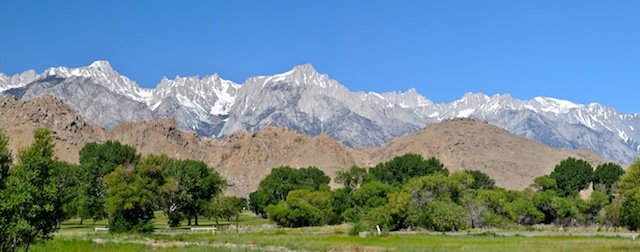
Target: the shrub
pixel 444 215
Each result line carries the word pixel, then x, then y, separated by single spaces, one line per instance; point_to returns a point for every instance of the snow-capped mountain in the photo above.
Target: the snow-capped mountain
pixel 16 81
pixel 309 102
pixel 198 104
pixel 102 73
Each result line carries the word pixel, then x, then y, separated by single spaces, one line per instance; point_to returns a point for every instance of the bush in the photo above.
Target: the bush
pixel 353 214
pixel 295 213
pixel 277 185
pixel 524 212
pixel 444 215
pixel 372 194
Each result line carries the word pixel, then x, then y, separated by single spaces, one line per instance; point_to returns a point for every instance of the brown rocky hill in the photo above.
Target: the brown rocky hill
pixel 20 118
pixel 245 158
pixel 513 161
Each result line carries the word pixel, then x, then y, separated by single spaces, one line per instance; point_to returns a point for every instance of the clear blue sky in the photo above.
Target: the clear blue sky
pixel 584 51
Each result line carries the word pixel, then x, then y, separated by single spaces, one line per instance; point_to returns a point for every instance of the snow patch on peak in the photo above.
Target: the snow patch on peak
pixel 304 68
pixel 553 105
pixel 466 112
pixel 299 75
pixel 101 64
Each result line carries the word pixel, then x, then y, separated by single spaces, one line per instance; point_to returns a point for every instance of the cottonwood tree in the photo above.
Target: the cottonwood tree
pixel 277 185
pixel 400 170
pixel 481 180
pixel 96 161
pixel 196 184
pixel 572 175
pixel 132 195
pixel 30 204
pixel 606 176
pixel 630 191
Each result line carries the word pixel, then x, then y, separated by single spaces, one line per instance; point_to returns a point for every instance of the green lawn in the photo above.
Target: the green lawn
pixel 254 236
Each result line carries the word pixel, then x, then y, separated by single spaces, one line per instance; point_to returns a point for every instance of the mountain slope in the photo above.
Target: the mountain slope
pixel 513 161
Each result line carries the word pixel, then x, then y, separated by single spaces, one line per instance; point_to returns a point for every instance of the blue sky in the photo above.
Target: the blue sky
pixel 584 51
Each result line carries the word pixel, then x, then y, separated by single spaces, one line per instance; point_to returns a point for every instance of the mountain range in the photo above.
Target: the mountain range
pixel 245 158
pixel 312 103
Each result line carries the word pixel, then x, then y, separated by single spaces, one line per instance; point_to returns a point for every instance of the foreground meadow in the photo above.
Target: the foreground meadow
pixel 255 234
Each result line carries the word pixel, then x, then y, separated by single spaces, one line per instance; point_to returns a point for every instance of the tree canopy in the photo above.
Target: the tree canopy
pixel 571 176
pixel 606 176
pixel 277 185
pixel 401 169
pixel 30 204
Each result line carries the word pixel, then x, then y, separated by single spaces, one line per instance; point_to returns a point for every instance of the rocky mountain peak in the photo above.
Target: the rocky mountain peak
pixel 101 65
pixel 306 69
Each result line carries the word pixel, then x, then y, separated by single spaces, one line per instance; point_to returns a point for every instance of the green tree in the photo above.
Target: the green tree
pixel 322 200
pixel 544 183
pixel 590 208
pixel 610 216
pixel 30 205
pixel 226 207
pixel 374 218
pixel 68 179
pixel 197 184
pixel 438 186
pixel 172 196
pixel 544 202
pixel 352 178
pixel 295 213
pixel 5 159
pixel 445 215
pixel 276 186
pixel 630 191
pixel 401 169
pixel 258 201
pixel 630 181
pixel 630 212
pixel 523 212
pixel 96 161
pixel 408 208
pixel 481 180
pixel 606 176
pixel 132 195
pixel 342 201
pixel 372 194
pixel 572 175
pixel 565 211
pixel 400 208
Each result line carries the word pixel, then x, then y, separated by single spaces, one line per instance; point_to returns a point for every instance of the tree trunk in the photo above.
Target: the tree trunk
pixel 80 220
pixel 189 221
pixel 196 219
pixel 237 216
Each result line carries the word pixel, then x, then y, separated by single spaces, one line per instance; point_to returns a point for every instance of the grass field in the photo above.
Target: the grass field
pixel 256 234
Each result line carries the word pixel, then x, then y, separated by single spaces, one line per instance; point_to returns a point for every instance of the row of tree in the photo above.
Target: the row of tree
pixel 411 192
pixel 111 181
